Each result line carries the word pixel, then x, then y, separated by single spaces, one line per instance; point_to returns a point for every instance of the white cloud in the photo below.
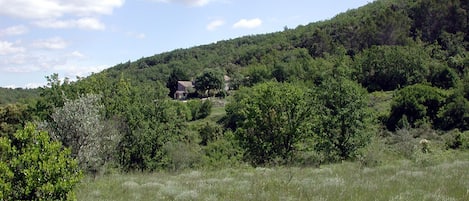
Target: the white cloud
pixel 215 24
pixel 9 48
pixel 188 2
pixel 82 23
pixel 248 24
pixel 31 62
pixel 77 54
pixel 81 14
pixel 14 30
pixel 73 71
pixel 52 9
pixel 51 43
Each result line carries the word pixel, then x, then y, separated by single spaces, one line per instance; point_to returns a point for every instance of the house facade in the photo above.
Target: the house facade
pixel 184 88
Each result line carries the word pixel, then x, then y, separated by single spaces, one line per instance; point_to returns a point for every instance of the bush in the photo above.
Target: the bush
pixel 372 155
pixel 222 152
pixel 416 104
pixel 209 132
pixel 457 140
pixel 182 155
pixel 200 109
pixel 308 158
pixel 32 167
pixel 79 126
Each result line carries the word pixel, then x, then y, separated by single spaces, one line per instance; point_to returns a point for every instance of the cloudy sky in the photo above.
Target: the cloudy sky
pixel 77 37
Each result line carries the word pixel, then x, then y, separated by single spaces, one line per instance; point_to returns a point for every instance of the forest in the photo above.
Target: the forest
pixel 386 81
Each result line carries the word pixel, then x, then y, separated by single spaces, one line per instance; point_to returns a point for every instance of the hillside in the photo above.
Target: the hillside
pixel 383 22
pixel 17 95
pixel 382 87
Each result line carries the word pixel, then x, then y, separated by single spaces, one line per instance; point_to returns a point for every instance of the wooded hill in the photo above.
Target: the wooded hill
pixel 437 28
pixel 390 75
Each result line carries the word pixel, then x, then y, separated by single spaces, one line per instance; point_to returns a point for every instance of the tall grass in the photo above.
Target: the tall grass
pixel 447 178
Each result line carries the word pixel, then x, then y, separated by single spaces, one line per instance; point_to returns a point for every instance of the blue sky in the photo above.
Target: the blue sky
pixel 77 37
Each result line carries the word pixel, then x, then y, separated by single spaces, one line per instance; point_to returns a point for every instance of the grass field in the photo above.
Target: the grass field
pixel 444 179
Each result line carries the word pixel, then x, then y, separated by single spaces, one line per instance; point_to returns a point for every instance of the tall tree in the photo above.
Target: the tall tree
pixel 270 119
pixel 177 74
pixel 344 124
pixel 208 81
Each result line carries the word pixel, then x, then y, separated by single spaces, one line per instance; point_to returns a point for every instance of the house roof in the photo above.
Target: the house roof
pixel 185 83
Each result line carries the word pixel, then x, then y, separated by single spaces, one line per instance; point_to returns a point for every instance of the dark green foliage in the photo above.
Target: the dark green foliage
pixel 13 117
pixel 151 127
pixel 210 132
pixel 280 73
pixel 344 122
pixel 415 104
pixel 390 67
pixel 208 81
pixel 172 84
pixel 444 77
pixel 8 96
pixel 32 167
pixel 432 17
pixel 454 114
pixel 270 119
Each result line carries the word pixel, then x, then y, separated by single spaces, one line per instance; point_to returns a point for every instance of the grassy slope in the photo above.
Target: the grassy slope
pixel 447 179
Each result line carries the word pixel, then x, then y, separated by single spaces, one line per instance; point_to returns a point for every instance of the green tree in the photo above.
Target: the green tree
pixel 208 81
pixel 344 121
pixel 415 104
pixel 176 75
pixel 390 67
pixel 444 77
pixel 13 117
pixel 32 167
pixel 270 118
pixel 454 114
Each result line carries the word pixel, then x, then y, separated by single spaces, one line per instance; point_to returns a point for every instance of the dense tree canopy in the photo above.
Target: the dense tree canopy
pixel 270 119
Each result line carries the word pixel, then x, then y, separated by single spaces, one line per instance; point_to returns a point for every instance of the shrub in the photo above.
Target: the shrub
pixel 457 140
pixel 182 155
pixel 32 167
pixel 222 152
pixel 200 109
pixel 372 155
pixel 79 126
pixel 209 132
pixel 415 103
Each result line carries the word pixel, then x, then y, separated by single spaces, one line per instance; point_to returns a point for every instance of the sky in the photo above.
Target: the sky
pixel 78 37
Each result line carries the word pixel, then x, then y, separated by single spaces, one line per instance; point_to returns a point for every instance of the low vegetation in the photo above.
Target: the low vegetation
pixel 445 178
